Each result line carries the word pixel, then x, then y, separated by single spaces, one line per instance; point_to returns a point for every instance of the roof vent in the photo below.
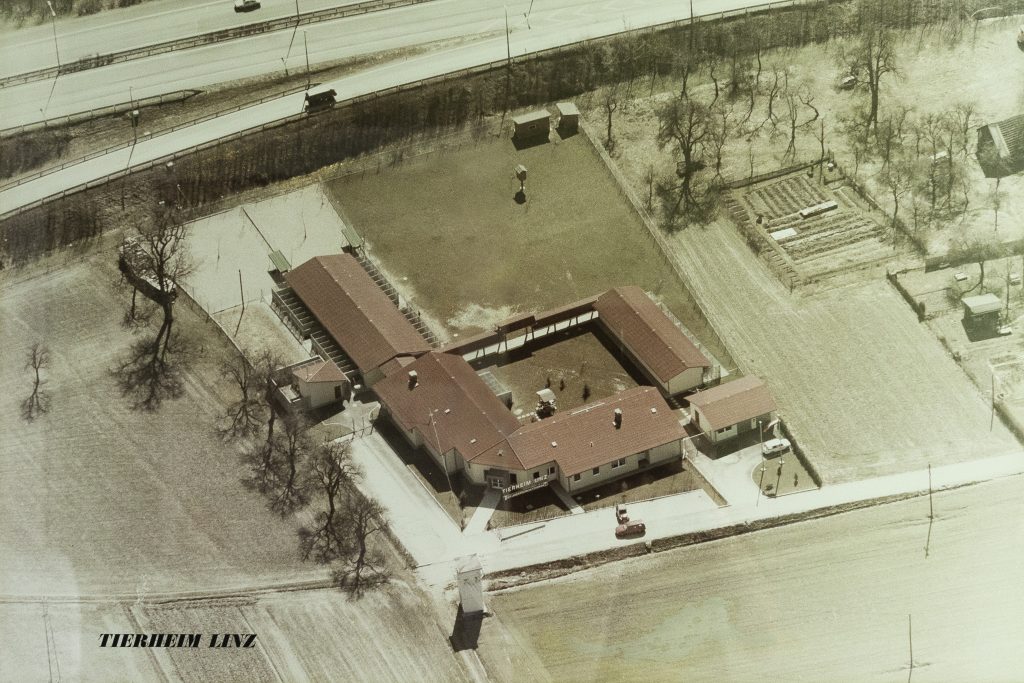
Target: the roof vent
pixel 554 444
pixel 413 379
pixel 654 410
pixel 472 440
pixel 617 419
pixel 447 410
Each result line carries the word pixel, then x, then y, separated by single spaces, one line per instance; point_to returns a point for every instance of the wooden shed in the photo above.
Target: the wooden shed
pixel 568 117
pixel 532 126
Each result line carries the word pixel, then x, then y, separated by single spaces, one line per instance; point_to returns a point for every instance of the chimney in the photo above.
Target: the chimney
pixel 618 418
pixel 413 378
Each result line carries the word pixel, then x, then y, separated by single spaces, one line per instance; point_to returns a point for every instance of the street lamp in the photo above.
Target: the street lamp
pixel 53 22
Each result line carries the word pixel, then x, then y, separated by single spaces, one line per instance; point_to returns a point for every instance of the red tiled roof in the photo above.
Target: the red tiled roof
pixel 586 437
pixel 354 310
pixel 741 399
pixel 450 405
pixel 629 314
pixel 322 371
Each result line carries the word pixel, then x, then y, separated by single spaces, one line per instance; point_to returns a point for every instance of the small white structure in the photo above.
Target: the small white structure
pixel 471 589
pixel 314 383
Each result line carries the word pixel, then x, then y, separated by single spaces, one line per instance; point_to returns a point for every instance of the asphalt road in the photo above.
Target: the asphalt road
pixel 31 48
pixel 272 53
pixel 552 23
pixel 827 600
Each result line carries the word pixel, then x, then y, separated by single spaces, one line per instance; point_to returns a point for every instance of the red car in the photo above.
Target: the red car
pixel 631 529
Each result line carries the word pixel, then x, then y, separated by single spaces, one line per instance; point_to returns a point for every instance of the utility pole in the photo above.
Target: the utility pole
pixel 306 47
pixel 910 642
pixel 508 69
pixel 53 22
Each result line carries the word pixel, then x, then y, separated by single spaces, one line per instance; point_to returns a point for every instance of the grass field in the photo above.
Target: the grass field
pixel 320 635
pixel 98 498
pixel 462 249
pixel 827 600
pixel 866 389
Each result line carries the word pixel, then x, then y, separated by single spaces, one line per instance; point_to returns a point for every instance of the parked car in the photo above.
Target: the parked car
pixel 773 446
pixel 848 82
pixel 246 5
pixel 631 529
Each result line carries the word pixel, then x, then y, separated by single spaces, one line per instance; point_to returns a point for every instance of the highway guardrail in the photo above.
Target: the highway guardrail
pixel 232 33
pixel 358 99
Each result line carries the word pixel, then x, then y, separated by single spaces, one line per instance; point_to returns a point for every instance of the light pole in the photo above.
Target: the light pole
pixel 53 22
pixel 134 115
pixel 305 46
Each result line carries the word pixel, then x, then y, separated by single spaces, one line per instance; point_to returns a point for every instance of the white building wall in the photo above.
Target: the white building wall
pixel 686 380
pixel 318 393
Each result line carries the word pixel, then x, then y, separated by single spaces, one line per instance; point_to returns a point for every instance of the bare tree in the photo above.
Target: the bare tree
pixel 685 124
pixel 168 263
pixel 898 179
pixel 869 60
pixel 245 415
pixel 794 101
pixel 609 99
pixel 37 359
pixel 291 448
pixel 365 566
pixel 977 250
pixel 330 471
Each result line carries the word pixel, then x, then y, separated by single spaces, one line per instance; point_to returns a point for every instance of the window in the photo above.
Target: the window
pixel 618 463
pixel 597 470
pixel 551 470
pixel 536 475
pixel 575 477
pixel 723 430
pixel 337 391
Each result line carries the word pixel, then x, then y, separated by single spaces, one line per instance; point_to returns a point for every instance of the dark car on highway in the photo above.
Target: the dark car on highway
pixel 246 5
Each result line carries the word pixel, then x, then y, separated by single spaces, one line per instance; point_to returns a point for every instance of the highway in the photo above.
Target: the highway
pixel 551 23
pixel 32 47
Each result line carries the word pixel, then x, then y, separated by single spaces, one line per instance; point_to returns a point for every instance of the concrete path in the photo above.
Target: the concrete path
pixel 424 528
pixel 574 507
pixel 478 523
pixel 731 474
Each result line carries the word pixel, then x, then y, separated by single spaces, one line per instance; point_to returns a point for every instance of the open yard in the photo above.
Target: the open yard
pixel 828 600
pixel 455 241
pixel 865 388
pixel 573 364
pixel 389 634
pixel 98 498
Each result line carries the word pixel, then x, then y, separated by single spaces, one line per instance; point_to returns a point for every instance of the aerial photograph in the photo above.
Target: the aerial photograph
pixel 512 341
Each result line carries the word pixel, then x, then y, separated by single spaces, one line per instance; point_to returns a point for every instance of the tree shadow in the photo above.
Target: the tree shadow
pixel 146 379
pixel 520 197
pixel 357 580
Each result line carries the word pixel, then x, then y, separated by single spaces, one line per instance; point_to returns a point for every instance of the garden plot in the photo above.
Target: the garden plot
pixel 838 237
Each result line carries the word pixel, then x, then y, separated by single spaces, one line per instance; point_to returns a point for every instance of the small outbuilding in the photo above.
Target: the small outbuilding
pixel 1001 147
pixel 981 312
pixel 531 127
pixel 312 384
pixel 568 118
pixel 733 408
